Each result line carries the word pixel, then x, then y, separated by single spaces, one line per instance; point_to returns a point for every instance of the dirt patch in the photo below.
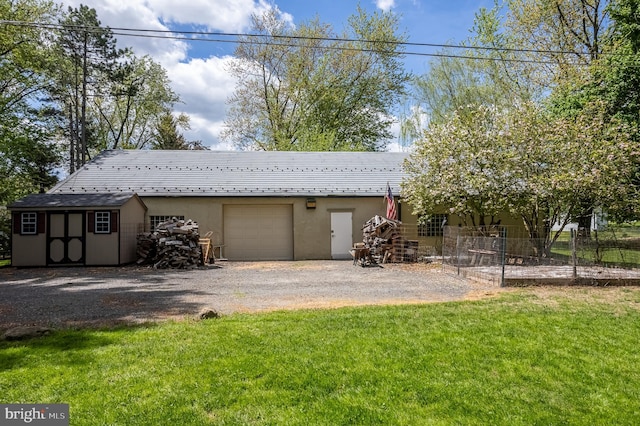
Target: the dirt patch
pixel 618 296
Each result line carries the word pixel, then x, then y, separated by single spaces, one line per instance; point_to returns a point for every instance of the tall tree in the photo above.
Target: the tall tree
pixel 523 50
pixel 616 74
pixel 167 134
pixel 562 37
pixel 23 54
pixel 520 50
pixel 309 88
pixel 522 161
pixel 487 69
pixel 614 79
pixel 132 105
pixel 90 54
pixel 28 155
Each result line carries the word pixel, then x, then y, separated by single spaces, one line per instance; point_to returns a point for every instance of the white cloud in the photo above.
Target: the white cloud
pixel 394 144
pixel 215 15
pixel 223 15
pixel 385 5
pixel 204 86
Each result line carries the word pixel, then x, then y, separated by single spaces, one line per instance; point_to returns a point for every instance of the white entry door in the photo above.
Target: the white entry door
pixel 341 235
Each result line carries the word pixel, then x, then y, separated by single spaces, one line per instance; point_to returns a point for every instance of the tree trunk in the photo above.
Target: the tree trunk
pixel 83 144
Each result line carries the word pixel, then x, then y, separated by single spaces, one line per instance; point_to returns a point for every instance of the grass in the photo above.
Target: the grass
pixel 5 262
pixel 517 359
pixel 613 250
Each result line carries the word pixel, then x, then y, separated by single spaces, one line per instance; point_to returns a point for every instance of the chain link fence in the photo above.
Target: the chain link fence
pixel 605 257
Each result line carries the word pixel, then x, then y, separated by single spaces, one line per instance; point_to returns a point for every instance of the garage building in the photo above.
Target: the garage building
pixel 258 205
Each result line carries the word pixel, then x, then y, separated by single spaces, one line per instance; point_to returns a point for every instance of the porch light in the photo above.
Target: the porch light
pixel 311 203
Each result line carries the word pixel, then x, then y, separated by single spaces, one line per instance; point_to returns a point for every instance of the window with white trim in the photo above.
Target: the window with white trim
pixel 29 223
pixel 103 223
pixel 157 220
pixel 432 227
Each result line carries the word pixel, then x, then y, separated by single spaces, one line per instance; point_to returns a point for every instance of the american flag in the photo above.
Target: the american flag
pixel 392 213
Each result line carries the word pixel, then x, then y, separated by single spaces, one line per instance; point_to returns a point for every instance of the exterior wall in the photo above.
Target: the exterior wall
pixel 101 249
pixel 29 250
pixel 311 227
pixel 132 217
pixel 118 247
pixel 410 226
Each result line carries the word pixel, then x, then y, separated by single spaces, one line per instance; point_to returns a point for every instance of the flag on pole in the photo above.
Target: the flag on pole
pixel 392 213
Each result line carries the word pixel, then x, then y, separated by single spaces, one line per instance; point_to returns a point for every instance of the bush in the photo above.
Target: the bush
pixel 5 234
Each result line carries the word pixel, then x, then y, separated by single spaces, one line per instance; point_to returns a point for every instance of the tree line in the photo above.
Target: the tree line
pixel 68 92
pixel 539 117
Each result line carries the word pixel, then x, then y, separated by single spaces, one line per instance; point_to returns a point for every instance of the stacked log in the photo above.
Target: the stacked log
pixel 173 244
pixel 383 237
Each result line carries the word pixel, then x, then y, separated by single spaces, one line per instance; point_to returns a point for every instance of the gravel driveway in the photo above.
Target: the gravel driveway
pixel 67 297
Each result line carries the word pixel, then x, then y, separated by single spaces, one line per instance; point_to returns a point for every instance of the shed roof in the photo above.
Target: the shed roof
pixel 43 201
pixel 238 173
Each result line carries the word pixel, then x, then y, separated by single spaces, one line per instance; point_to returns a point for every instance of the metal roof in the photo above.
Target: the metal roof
pixel 237 173
pixel 73 200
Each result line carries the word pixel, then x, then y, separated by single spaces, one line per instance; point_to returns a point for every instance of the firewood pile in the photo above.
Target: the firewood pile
pixel 173 244
pixel 383 237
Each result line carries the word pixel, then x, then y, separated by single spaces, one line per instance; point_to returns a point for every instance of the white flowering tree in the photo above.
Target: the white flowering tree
pixel 486 161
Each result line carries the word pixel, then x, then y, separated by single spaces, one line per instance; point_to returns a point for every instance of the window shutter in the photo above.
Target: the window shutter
pixel 42 223
pixel 91 222
pixel 17 223
pixel 114 221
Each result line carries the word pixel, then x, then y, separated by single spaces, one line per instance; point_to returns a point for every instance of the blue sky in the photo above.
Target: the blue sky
pixel 198 71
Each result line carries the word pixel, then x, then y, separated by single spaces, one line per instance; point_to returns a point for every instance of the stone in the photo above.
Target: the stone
pixel 25 332
pixel 208 313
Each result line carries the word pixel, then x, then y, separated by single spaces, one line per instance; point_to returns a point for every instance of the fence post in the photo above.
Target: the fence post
pixel 574 255
pixel 445 232
pixel 503 251
pixel 458 251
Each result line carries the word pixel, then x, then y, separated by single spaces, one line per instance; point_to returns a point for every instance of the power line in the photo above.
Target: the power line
pixel 238 38
pixel 352 49
pixel 349 40
pixel 287 37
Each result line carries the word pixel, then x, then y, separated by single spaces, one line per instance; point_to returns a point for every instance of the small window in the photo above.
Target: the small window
pixel 432 227
pixel 103 223
pixel 29 224
pixel 157 220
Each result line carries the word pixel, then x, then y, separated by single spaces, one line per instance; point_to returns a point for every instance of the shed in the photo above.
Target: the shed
pixel 76 229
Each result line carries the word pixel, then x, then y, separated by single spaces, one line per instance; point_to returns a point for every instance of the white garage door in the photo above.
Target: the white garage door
pixel 258 232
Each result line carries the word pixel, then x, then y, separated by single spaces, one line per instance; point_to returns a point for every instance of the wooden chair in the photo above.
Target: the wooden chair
pixel 216 245
pixel 206 247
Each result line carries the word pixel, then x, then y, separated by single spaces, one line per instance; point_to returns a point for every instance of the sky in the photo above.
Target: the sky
pixel 197 69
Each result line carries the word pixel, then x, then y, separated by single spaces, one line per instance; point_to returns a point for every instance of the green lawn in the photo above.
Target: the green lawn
pixel 522 358
pixel 609 256
pixel 618 247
